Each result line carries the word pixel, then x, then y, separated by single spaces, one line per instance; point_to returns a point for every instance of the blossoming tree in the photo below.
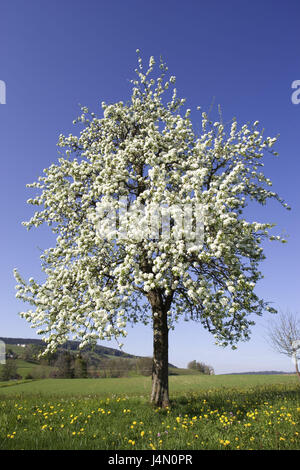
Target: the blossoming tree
pixel 147 151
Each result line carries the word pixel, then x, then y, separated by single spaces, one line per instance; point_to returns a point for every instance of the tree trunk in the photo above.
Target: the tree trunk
pixel 160 385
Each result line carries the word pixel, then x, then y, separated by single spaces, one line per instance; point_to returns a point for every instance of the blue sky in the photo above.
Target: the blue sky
pixel 242 54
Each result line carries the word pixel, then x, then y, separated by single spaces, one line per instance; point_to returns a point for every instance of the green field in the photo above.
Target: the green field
pixel 206 412
pixel 132 386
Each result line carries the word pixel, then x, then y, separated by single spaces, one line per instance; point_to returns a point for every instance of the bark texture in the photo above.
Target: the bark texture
pixel 160 385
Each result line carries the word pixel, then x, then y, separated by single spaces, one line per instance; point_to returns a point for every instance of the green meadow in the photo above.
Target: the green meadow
pixel 235 412
pixel 138 385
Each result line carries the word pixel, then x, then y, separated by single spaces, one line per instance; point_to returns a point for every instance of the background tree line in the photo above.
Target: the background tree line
pixel 71 364
pixel 201 367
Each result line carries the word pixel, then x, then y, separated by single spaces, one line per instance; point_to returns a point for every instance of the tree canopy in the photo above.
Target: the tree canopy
pixel 147 151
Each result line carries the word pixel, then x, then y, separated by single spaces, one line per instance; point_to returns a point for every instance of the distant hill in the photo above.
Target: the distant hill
pixel 265 372
pixel 73 346
pixel 101 351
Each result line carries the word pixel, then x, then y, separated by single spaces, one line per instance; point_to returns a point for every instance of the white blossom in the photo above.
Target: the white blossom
pixel 147 151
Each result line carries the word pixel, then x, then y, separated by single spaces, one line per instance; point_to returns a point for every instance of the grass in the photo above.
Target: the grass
pixel 138 385
pixel 218 412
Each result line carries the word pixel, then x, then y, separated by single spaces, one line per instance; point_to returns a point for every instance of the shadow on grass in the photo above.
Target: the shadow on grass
pixel 230 400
